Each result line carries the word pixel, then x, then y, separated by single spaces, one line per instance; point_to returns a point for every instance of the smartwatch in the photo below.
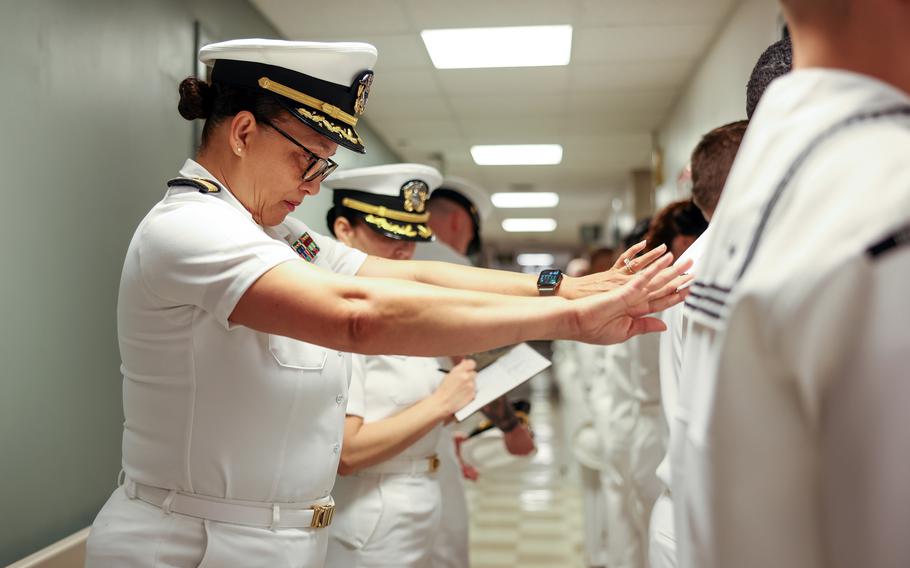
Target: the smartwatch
pixel 548 282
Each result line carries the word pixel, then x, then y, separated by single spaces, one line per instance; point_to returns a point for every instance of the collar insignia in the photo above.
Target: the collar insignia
pixel 201 184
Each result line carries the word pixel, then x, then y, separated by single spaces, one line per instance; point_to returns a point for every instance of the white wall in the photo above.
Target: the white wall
pixel 716 95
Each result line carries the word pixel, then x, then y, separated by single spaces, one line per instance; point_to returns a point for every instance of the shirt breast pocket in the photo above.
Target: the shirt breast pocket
pixel 296 354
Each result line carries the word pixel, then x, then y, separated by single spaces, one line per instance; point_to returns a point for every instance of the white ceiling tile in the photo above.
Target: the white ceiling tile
pixel 415 128
pixel 433 14
pixel 348 19
pixel 625 75
pixel 528 129
pixel 403 51
pixel 527 105
pixel 652 12
pixel 409 82
pixel 640 43
pixel 408 107
pixel 507 83
pixel 610 102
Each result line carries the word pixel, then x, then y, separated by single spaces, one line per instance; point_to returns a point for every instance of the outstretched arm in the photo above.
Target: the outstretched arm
pixel 379 316
pixel 504 282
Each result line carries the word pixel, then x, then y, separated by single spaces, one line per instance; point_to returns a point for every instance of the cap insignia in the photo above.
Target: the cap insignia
pixel 363 92
pixel 415 193
pixel 306 247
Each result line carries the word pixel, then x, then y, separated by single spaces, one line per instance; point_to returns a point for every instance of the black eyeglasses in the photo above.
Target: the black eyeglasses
pixel 319 168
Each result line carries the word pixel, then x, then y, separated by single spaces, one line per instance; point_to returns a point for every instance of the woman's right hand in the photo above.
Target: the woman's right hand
pixel 457 388
pixel 614 317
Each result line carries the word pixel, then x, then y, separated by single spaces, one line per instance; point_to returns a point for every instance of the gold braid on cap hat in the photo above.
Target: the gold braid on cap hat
pixel 384 211
pixel 305 99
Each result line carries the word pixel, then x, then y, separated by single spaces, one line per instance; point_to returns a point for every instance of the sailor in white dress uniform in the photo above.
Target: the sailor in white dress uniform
pixel 233 433
pixel 388 497
pixel 795 366
pixel 711 162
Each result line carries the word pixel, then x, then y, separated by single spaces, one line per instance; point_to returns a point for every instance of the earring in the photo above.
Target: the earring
pixel 238 150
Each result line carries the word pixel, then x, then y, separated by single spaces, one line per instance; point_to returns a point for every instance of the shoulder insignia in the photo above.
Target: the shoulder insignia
pixel 306 247
pixel 202 184
pixel 899 238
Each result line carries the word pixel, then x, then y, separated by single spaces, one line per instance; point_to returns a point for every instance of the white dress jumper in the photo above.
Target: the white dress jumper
pixel 385 516
pixel 242 422
pixel 795 382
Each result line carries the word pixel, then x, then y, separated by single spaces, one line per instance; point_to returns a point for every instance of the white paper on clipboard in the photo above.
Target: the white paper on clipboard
pixel 503 375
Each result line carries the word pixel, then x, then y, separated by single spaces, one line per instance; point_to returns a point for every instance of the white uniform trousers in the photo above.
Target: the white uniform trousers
pixel 384 520
pixel 595 513
pixel 662 548
pixel 451 549
pixel 630 484
pixel 125 526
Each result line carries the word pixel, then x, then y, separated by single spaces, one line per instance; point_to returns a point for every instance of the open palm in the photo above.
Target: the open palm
pixel 615 316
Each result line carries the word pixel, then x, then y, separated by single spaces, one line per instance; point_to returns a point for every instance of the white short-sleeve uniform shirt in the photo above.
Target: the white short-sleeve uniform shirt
pixel 388 519
pixel 213 408
pixel 795 374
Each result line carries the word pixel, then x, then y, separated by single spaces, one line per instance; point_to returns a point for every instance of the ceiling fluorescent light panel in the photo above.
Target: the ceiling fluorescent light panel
pixel 535 259
pixel 525 200
pixel 517 154
pixel 529 225
pixel 519 46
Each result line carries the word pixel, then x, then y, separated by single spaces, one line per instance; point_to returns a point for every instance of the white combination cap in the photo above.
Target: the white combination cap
pixel 391 199
pixel 324 85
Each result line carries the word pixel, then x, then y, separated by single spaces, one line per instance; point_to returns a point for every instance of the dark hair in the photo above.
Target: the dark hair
pixel 678 218
pixel 712 160
pixel 777 60
pixel 216 101
pixel 338 211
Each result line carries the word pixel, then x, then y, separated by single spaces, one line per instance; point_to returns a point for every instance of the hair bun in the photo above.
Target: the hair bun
pixel 197 98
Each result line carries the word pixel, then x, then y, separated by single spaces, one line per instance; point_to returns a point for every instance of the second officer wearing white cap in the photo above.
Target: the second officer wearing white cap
pixel 233 321
pixel 388 496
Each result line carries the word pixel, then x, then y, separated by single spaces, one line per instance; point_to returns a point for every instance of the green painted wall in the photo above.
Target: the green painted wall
pixel 88 136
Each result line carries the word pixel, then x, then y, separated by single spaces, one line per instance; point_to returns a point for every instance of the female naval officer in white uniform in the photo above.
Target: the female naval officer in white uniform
pixel 228 319
pixel 389 496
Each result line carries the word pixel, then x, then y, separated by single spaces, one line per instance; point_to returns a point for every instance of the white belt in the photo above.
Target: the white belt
pixel 411 466
pixel 312 514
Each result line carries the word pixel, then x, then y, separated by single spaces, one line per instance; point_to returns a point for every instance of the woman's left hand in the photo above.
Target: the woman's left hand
pixel 619 274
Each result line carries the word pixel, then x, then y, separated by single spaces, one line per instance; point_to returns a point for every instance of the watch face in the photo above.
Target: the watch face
pixel 549 278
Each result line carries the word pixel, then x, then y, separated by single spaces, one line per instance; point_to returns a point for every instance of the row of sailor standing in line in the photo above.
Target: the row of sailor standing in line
pixel 613 419
pixel 236 323
pixel 784 372
pixel 624 398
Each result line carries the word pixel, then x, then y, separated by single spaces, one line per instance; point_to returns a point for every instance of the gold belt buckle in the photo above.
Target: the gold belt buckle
pixel 434 464
pixel 322 516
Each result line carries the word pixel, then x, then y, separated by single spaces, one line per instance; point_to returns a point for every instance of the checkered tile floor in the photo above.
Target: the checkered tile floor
pixel 529 516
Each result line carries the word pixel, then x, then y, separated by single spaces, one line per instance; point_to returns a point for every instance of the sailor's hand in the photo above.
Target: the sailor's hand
pixel 457 388
pixel 467 471
pixel 614 317
pixel 623 270
pixel 519 440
